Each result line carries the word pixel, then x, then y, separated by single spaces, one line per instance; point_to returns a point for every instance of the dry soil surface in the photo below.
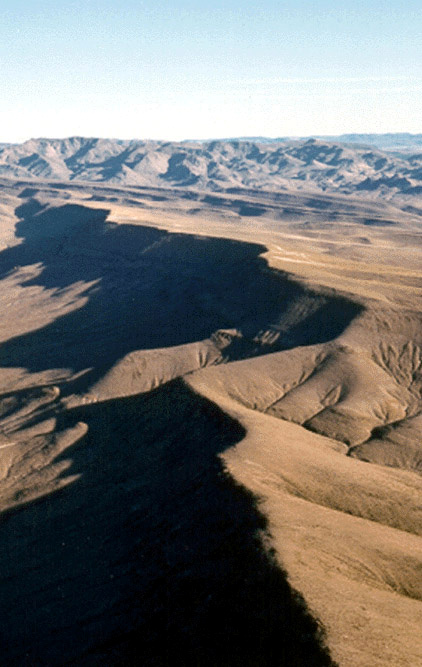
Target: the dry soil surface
pixel 210 428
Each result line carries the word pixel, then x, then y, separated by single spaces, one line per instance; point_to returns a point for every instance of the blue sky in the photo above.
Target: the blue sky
pixel 180 69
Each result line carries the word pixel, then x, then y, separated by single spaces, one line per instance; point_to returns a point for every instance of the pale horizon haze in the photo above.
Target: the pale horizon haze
pixel 195 70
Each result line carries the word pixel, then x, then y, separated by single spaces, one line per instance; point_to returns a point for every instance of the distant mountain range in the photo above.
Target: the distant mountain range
pixel 399 141
pixel 313 164
pixel 391 141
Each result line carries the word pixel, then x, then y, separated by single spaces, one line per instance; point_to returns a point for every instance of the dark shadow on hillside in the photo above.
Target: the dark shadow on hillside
pixel 153 556
pixel 147 288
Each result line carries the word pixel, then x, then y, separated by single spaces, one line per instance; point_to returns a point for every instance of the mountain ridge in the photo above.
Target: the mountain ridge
pixel 219 165
pixel 390 141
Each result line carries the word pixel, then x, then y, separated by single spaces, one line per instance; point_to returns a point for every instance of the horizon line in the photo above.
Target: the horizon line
pixel 254 137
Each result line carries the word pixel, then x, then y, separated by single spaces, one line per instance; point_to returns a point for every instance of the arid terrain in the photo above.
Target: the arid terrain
pixel 311 165
pixel 211 404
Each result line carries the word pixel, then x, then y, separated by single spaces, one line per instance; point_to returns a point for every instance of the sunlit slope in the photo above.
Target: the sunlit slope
pixel 347 532
pixel 366 396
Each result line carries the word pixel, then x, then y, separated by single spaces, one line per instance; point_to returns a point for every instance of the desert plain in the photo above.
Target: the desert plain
pixel 211 408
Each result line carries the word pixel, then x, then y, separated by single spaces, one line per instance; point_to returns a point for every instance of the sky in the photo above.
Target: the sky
pixel 197 69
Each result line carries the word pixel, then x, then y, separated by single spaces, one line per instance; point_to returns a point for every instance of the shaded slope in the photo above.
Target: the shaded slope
pixel 150 556
pixel 139 288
